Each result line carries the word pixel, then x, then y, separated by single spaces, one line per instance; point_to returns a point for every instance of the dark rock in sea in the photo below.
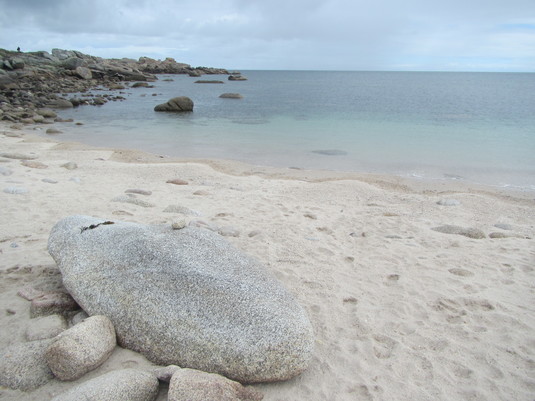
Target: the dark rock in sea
pixel 231 96
pixel 330 152
pixel 184 297
pixel 237 78
pixel 194 73
pixel 142 85
pixel 176 104
pixel 204 81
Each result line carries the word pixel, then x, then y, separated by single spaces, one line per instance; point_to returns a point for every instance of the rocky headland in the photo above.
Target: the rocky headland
pixel 33 83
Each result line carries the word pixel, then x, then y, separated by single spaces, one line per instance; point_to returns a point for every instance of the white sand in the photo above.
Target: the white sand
pixel 400 312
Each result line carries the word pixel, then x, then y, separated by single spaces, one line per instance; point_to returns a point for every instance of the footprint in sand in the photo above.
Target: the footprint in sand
pixel 383 346
pixel 461 272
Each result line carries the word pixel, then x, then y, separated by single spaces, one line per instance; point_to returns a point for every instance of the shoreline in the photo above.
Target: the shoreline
pixel 239 168
pixel 400 310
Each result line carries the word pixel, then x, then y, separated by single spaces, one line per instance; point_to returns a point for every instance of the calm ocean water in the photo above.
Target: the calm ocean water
pixel 478 127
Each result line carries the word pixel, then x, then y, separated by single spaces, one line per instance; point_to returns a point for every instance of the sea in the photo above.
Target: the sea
pixel 474 127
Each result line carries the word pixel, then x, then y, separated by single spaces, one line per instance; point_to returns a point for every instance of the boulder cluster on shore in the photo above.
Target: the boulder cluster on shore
pixel 36 81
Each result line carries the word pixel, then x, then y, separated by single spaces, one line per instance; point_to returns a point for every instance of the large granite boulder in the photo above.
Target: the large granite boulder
pixel 180 103
pixel 185 297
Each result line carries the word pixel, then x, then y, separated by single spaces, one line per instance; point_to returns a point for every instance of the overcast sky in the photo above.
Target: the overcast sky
pixel 445 35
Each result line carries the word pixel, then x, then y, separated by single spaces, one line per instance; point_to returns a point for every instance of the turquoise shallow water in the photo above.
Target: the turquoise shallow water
pixel 478 127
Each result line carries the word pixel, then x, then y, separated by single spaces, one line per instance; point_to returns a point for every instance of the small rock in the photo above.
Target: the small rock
pixel 467 232
pixel 117 385
pixel 231 96
pixel 20 156
pixel 448 202
pixel 45 327
pixel 23 366
pixel 52 303
pixel 47 113
pixel 14 245
pixel 133 201
pixel 254 233
pixel 208 81
pixel 138 191
pixel 33 164
pixel 176 104
pixel 141 85
pixel 177 181
pixel 81 348
pixel 178 225
pixel 49 181
pixel 311 216
pixel 16 190
pixel 201 193
pixel 195 385
pixel 52 131
pixel 70 165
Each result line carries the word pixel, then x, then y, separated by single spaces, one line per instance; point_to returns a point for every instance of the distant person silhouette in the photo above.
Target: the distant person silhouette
pixel 18 49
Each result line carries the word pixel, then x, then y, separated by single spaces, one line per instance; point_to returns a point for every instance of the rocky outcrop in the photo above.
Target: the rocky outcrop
pixel 176 104
pixel 184 297
pixel 30 81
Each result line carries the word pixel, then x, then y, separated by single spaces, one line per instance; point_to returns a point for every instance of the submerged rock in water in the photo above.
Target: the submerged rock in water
pixel 330 152
pixel 185 297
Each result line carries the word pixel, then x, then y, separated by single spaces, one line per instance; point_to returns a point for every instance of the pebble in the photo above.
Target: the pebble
pixel 49 180
pixel 16 190
pixel 70 165
pixel 201 193
pixel 177 181
pixel 448 202
pixel 52 131
pixel 311 216
pixel 138 191
pixel 33 164
pixel 178 225
pixel 132 200
pixel 254 233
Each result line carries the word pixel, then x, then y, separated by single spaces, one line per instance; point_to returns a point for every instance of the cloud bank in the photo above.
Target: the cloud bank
pixel 490 35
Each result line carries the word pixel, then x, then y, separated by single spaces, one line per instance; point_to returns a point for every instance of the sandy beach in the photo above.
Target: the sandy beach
pixel 400 311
